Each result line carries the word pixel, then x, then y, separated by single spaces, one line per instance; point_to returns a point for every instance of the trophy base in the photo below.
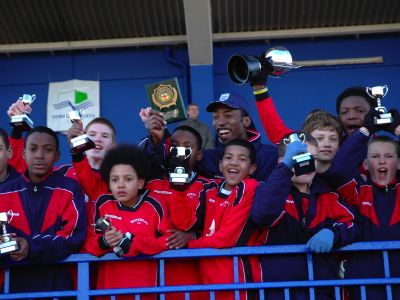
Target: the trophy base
pixel 22 122
pixel 384 119
pixel 177 178
pixel 82 143
pixel 304 164
pixel 8 247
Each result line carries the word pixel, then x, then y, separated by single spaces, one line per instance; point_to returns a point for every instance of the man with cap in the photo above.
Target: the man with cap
pixel 230 120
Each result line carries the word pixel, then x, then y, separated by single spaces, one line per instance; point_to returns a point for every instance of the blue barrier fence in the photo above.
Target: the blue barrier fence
pixel 83 291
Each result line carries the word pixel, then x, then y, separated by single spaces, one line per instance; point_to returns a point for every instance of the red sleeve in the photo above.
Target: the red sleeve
pixel 233 222
pixel 273 125
pixel 16 160
pixel 349 193
pixel 153 243
pixel 92 243
pixel 183 210
pixel 90 181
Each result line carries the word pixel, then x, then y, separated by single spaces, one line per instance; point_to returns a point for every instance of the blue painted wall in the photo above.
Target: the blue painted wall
pixel 124 72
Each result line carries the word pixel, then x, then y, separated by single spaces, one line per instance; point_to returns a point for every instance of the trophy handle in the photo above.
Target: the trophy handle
pixel 385 90
pixel 369 92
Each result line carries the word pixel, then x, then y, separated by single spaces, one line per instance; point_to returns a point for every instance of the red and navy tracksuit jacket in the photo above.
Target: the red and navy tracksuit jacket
pixel 266 158
pixel 183 207
pixel 51 216
pixel 227 223
pixel 148 223
pixel 293 217
pixel 378 213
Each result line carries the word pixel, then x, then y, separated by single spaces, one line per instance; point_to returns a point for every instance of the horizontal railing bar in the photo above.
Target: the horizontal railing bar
pixel 213 287
pixel 255 250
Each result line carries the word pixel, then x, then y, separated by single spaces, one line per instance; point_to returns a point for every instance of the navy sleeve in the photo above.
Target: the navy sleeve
pixel 270 197
pixel 67 235
pixel 346 163
pixel 157 154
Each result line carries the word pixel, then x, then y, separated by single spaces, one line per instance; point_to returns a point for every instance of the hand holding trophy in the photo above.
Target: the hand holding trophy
pixel 83 142
pixel 20 118
pixel 8 244
pixel 303 162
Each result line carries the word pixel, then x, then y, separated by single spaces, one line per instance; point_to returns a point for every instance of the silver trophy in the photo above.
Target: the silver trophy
pixel 83 142
pixel 23 122
pixel 242 68
pixel 178 156
pixel 304 162
pixel 7 244
pixel 377 93
pixel 103 224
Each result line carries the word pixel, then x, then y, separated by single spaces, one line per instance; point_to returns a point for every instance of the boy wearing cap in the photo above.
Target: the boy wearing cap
pixel 231 120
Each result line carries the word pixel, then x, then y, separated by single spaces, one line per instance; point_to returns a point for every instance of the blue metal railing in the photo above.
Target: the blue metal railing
pixel 83 291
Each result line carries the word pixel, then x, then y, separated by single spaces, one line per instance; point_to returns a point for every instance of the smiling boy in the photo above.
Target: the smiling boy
pixel 226 208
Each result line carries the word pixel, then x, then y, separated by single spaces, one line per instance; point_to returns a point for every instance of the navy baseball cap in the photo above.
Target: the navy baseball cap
pixel 231 100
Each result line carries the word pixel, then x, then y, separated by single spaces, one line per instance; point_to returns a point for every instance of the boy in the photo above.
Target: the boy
pixel 46 213
pixel 226 207
pixel 137 222
pixel 177 272
pixel 375 199
pixel 103 133
pixel 299 210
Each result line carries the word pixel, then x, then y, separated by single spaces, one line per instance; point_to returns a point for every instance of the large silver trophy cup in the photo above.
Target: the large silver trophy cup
pixel 242 68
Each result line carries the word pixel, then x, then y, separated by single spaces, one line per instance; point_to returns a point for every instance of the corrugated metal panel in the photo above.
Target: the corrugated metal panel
pixel 41 21
pixel 29 21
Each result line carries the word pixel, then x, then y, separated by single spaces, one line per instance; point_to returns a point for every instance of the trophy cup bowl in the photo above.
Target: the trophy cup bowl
pixel 7 244
pixel 23 122
pixel 242 68
pixel 82 142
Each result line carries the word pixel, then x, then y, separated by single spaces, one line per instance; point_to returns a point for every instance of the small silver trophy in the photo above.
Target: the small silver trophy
pixel 304 162
pixel 103 224
pixel 179 174
pixel 7 244
pixel 23 122
pixel 83 142
pixel 377 93
pixel 241 68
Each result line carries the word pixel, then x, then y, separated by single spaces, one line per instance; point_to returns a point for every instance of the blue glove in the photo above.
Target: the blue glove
pixel 322 241
pixel 293 149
